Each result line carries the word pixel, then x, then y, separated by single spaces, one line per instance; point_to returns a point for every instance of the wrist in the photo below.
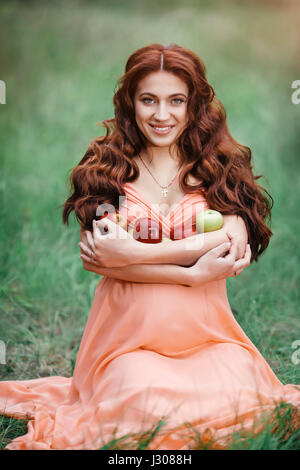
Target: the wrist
pixel 140 253
pixel 188 276
pixel 147 253
pixel 193 277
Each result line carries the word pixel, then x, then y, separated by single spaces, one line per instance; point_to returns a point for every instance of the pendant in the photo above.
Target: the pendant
pixel 164 192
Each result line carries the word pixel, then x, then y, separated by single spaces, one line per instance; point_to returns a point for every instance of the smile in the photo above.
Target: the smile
pixel 161 130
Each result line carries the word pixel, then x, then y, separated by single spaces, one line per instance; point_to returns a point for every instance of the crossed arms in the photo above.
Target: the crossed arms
pixel 173 262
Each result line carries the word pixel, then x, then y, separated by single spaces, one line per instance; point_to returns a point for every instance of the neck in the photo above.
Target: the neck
pixel 160 159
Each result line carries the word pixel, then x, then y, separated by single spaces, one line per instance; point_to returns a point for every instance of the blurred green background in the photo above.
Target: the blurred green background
pixel 60 62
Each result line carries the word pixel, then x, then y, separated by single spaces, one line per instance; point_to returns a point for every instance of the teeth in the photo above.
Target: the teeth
pixel 161 128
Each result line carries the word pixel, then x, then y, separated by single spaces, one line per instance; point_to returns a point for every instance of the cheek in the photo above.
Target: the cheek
pixel 141 112
pixel 185 115
pixel 182 116
pixel 142 116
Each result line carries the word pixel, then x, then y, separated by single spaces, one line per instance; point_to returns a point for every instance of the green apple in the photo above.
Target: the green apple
pixel 131 231
pixel 208 221
pixel 165 239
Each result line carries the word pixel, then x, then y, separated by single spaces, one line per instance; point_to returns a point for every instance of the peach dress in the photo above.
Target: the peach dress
pixel 151 352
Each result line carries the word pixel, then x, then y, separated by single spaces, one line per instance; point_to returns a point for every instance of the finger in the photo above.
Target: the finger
pixel 233 249
pixel 86 250
pixel 82 236
pixel 88 260
pixel 247 255
pixel 241 250
pixel 243 262
pixel 220 249
pixel 90 240
pixel 239 247
pixel 236 273
pixel 244 249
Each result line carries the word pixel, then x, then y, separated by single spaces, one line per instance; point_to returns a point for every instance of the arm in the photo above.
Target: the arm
pixel 159 273
pixel 187 251
pixel 145 273
pixel 219 263
pixel 183 252
pixel 212 266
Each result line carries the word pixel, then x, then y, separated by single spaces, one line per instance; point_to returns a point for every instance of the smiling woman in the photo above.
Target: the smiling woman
pixel 160 112
pixel 161 344
pixel 195 154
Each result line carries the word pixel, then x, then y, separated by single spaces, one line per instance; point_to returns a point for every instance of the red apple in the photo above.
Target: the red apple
pixel 181 232
pixel 100 217
pixel 147 230
pixel 116 218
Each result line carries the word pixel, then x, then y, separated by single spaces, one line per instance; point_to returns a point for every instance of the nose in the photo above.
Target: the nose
pixel 161 112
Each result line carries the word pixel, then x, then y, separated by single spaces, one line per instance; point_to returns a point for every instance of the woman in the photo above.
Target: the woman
pixel 161 341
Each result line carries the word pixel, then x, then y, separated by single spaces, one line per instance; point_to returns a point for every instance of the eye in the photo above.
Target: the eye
pixel 146 100
pixel 178 99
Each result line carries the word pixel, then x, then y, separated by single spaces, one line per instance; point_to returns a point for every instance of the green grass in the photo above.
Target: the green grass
pixel 60 63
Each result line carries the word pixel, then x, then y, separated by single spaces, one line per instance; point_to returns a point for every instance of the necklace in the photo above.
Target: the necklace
pixel 164 189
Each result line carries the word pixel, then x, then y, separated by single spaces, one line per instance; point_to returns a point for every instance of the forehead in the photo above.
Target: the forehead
pixel 162 83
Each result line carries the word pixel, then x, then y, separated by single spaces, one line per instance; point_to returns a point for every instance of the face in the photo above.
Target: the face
pixel 161 108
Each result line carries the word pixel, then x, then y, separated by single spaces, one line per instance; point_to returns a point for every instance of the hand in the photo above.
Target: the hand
pixel 241 263
pixel 237 227
pixel 216 265
pixel 89 263
pixel 109 245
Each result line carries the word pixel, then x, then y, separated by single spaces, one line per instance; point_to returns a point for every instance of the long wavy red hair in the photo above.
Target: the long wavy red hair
pixel 207 150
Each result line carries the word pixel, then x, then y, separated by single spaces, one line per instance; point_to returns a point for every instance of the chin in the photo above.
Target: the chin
pixel 160 142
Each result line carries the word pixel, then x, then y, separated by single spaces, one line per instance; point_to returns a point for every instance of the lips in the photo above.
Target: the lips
pixel 160 126
pixel 161 130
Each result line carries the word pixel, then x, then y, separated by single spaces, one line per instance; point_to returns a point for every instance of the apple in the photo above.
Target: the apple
pixel 114 217
pixel 146 230
pixel 100 217
pixel 208 221
pixel 178 232
pixel 120 220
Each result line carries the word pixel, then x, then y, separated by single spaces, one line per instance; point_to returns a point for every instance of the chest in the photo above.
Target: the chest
pixel 165 199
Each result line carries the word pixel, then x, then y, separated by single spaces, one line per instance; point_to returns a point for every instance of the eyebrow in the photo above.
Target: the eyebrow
pixel 151 94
